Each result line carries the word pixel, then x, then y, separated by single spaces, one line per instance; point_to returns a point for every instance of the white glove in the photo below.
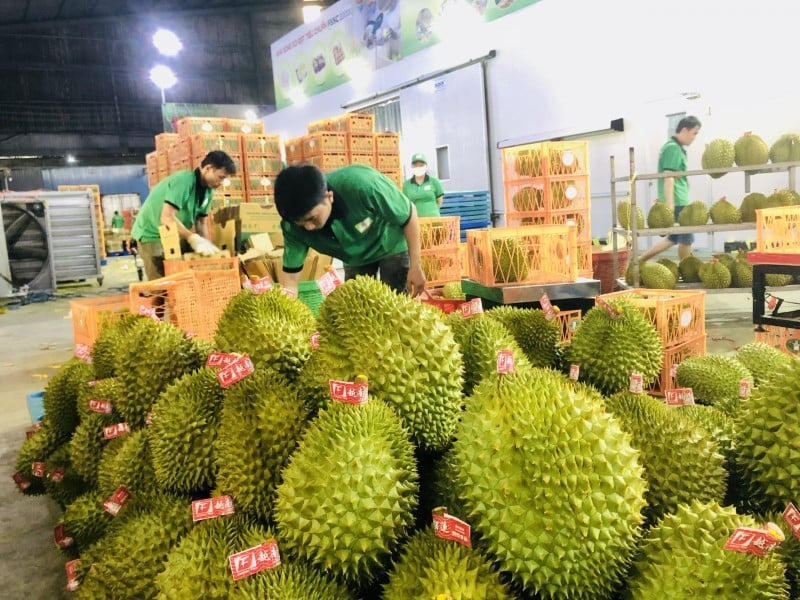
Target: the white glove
pixel 202 246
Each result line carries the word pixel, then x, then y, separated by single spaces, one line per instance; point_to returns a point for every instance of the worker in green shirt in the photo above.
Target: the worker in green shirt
pixel 424 190
pixel 117 222
pixel 355 214
pixel 182 200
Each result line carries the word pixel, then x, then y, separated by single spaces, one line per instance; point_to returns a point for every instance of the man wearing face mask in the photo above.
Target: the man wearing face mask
pixel 424 190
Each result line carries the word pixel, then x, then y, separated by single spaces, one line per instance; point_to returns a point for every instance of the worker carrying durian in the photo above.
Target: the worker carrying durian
pixel 355 214
pixel 423 189
pixel 182 200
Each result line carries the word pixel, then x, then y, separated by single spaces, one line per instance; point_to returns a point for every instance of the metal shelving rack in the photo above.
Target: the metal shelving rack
pixel 710 228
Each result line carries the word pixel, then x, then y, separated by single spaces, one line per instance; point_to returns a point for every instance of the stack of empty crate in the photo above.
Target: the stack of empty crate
pixel 548 184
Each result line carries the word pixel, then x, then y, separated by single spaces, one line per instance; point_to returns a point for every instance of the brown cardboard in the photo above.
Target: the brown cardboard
pixel 259 218
pixel 260 241
pixel 170 242
pixel 225 237
pixel 256 264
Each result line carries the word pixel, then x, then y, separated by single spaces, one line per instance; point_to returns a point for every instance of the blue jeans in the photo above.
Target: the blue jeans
pixel 681 238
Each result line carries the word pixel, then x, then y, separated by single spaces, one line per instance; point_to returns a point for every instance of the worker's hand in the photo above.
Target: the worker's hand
pixel 202 246
pixel 416 280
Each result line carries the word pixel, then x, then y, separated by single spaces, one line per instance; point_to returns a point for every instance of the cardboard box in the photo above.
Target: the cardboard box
pixel 257 264
pixel 225 237
pixel 170 242
pixel 260 241
pixel 259 218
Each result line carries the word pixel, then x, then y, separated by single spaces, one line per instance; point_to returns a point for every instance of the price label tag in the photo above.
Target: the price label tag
pixel 772 302
pixel 115 430
pixel 673 371
pixel 254 560
pixel 547 307
pixel 72 575
pixel 30 432
pixel 448 527
pixel 211 508
pixel 574 372
pixel 792 518
pixel 221 359
pixel 349 392
pixel 57 475
pixel 21 481
pixel 744 388
pixel 101 406
pixel 259 286
pixel 93 382
pixel 148 420
pixel 328 282
pixel 637 383
pixel 61 538
pixel 38 469
pixel 473 307
pixel 83 352
pixel 679 397
pixel 315 340
pixel 236 371
pixel 116 501
pixel 611 310
pixel 752 540
pixel 149 311
pixel 505 361
pixel 288 292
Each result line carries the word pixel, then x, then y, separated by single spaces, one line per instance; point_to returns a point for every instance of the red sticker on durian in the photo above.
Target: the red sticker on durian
pixel 221 359
pixel 547 307
pixel 236 371
pixel 116 501
pixel 149 311
pixel 315 340
pixel 21 481
pixel 260 286
pixel 792 518
pixel 772 302
pixel 61 538
pixel 72 575
pixel 38 469
pixel 210 508
pixel 115 430
pixel 611 310
pixel 744 388
pixel 328 282
pixel 101 406
pixel 57 475
pixel 574 372
pixel 83 352
pixel 752 540
pixel 449 527
pixel 473 307
pixel 505 361
pixel 679 397
pixel 349 392
pixel 254 560
pixel 288 292
pixel 637 383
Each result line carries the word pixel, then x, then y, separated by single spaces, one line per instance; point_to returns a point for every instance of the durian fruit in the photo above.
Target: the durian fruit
pixel 85 520
pixel 262 421
pixel 785 149
pixel 682 461
pixel 112 342
pixel 767 429
pixel 751 150
pixel 349 524
pixel 689 269
pixel 557 490
pixel 537 337
pixel 36 448
pixel 61 397
pixel 714 379
pixel 185 422
pixel 684 557
pixel 624 215
pixel 695 213
pixel 750 204
pixel 528 199
pixel 102 389
pixel 65 488
pixel 453 291
pixel 714 275
pixel 291 581
pixel 718 154
pixel 762 360
pixel 272 328
pixel 657 276
pixel 87 444
pixel 660 216
pixel 741 273
pixel 788 551
pixel 431 266
pixel 480 338
pixel 671 265
pixel 161 353
pixel 431 567
pixel 723 212
pixel 510 260
pixel 777 280
pixel 411 359
pixel 725 259
pixel 784 197
pixel 609 350
pixel 128 463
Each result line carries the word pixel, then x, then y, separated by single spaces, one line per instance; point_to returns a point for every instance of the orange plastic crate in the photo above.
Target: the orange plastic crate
pixel 567 192
pixel 518 255
pixel 439 232
pixel 223 198
pixel 524 162
pixel 695 346
pixel 567 158
pixel 320 125
pixel 525 199
pixel 151 161
pixel 294 149
pixel 362 159
pixel 197 160
pixel 441 266
pixel 387 142
pixel 261 196
pixel 200 264
pixel 678 315
pixel 585 268
pixel 546 159
pixel 232 185
pixel 191 300
pixel 463 258
pixel 244 126
pixel 778 229
pixel 262 165
pixel 569 321
pixel 91 315
pixel 163 140
pixel 329 161
pixel 361 143
pixel 203 143
pixel 188 126
pixel 579 217
pixel 162 161
pixel 354 123
pixel 152 179
pixel 395 176
pixel 261 145
pixel 181 165
pixel 260 183
pixel 388 162
pixel 783 338
pixel 323 142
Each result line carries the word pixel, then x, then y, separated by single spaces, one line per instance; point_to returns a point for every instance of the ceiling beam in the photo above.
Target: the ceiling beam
pixel 140 72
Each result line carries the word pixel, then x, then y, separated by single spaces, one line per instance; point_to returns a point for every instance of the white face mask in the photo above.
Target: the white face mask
pixel 418 171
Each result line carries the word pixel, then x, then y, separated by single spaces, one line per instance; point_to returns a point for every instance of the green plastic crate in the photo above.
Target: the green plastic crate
pixel 308 293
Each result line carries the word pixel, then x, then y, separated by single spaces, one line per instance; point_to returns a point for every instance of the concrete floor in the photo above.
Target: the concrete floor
pixel 37 339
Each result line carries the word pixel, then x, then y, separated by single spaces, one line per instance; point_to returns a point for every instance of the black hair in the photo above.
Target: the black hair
pixel 220 160
pixel 687 123
pixel 298 189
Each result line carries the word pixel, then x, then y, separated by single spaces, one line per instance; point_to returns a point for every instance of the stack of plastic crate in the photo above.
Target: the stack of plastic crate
pixel 548 184
pixel 294 150
pixel 387 156
pixel 261 154
pixel 244 126
pixel 179 155
pixel 231 143
pixel 439 241
pixel 151 162
pixel 326 149
pixel 361 148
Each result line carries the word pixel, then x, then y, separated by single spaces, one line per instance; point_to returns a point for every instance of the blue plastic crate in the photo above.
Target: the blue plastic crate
pixel 35 402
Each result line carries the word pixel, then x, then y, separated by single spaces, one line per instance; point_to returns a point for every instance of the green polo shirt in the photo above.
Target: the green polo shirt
pixel 181 191
pixel 366 225
pixel 673 158
pixel 424 195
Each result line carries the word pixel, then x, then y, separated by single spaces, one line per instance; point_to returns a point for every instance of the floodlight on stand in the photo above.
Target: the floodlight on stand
pixel 250 115
pixel 167 42
pixel 164 78
pixel 311 12
pixel 71 159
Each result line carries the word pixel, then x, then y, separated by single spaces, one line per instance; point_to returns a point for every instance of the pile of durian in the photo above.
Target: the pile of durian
pixel 573 489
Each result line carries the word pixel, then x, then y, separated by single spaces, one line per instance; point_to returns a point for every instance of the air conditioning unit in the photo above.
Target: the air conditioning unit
pixel 26 255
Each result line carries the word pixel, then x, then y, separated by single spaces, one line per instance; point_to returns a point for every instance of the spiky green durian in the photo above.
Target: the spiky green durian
pixel 681 460
pixel 510 260
pixel 272 328
pixel 714 379
pixel 112 341
pixel 657 276
pixel 609 350
pixel 560 456
pixel 185 422
pixel 453 291
pixel 537 337
pixel 130 465
pixel 714 275
pixel 777 280
pixel 163 353
pixel 100 389
pixel 624 215
pixel 718 154
pixel 671 265
pixel 430 567
pixel 684 557
pixel 695 213
pixel 36 448
pixel 261 423
pixel 723 212
pixel 349 525
pixel 405 340
pixel 767 429
pixel 751 150
pixel 660 216
pixel 750 204
pixel 689 269
pixel 725 259
pixel 85 520
pixel 61 397
pixel 762 360
pixel 741 273
pixel 87 444
pixel 783 197
pixel 788 550
pixel 785 149
pixel 67 485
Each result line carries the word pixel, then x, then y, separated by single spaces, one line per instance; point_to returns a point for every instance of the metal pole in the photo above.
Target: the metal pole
pixel 634 237
pixel 614 257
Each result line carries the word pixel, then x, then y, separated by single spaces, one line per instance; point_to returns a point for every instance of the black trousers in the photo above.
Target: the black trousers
pixel 393 271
